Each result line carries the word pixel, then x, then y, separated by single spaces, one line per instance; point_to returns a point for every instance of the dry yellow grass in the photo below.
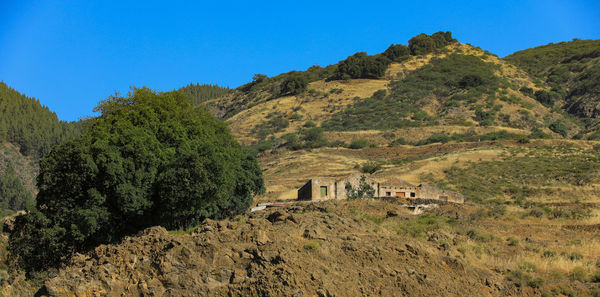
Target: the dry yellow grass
pixel 413 134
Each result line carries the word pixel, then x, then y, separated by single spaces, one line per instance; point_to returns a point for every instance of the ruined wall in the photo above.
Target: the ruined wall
pixel 392 190
pixel 312 190
pixel 429 192
pixel 354 181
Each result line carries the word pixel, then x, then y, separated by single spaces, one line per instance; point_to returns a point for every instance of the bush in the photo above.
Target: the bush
pixel 370 167
pixel 544 97
pixel 293 85
pixel 313 137
pixel 512 241
pixel 359 144
pixel 397 52
pixel 578 274
pixel 560 128
pixel 526 91
pixel 379 94
pixel 148 159
pixel 424 44
pixel 361 65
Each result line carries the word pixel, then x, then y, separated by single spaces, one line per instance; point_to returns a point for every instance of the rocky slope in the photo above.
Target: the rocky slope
pixel 323 249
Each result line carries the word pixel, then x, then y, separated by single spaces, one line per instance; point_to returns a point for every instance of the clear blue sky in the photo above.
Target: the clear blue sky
pixel 72 54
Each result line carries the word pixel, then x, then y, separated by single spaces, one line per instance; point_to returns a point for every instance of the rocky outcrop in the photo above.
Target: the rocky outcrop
pixel 314 250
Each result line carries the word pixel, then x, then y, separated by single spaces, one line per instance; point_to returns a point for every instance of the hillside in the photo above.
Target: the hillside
pixel 572 71
pixel 503 132
pixel 30 125
pixel 28 131
pixel 457 85
pixel 351 248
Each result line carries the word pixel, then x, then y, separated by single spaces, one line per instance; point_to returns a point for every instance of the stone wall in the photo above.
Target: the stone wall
pixel 312 190
pixel 354 181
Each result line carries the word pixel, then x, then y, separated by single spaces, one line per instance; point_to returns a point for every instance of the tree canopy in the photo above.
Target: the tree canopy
pixel 149 159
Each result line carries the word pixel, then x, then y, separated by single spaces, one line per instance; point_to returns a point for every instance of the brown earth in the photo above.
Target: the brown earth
pixel 322 249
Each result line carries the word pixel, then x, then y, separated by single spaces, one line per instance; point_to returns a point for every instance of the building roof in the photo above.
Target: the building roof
pixel 397 182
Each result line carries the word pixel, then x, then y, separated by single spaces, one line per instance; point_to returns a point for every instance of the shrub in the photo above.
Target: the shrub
pixel 512 241
pixel 424 44
pixel 311 246
pixel 148 159
pixel 549 254
pixel 359 144
pixel 578 274
pixel 379 94
pixel 399 141
pixel 361 65
pixel 560 128
pixel 397 52
pixel 309 124
pixel 370 167
pixel 526 91
pixel 544 97
pixel 293 85
pixel 527 267
pixel 313 137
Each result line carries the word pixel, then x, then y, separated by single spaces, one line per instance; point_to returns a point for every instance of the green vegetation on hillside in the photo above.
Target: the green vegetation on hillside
pixel 199 93
pixel 13 195
pixel 149 159
pixel 456 78
pixel 361 65
pixel 527 172
pixel 572 70
pixel 30 125
pixel 537 60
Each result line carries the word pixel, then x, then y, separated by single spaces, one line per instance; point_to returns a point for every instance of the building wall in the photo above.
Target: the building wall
pixel 354 181
pixel 429 192
pixel 312 190
pixel 393 190
pixel 337 190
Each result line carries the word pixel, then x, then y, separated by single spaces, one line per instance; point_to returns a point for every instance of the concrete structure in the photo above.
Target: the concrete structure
pixel 325 189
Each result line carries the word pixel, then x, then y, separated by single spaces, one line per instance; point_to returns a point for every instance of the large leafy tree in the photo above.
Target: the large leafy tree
pixel 149 159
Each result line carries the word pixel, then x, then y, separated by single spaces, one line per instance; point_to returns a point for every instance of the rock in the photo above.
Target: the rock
pixel 391 213
pixel 262 238
pixel 238 276
pixel 276 216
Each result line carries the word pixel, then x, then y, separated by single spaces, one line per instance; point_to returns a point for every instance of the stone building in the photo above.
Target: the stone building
pixel 396 187
pixel 318 189
pixel 354 181
pixel 326 189
pixel 429 192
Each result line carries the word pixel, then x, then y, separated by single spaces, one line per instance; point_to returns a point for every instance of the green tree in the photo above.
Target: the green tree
pixel 149 159
pixel 13 195
pixel 361 65
pixel 364 190
pixel 397 52
pixel 421 44
pixel 293 85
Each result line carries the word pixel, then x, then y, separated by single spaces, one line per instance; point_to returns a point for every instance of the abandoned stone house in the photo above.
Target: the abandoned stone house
pixel 326 189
